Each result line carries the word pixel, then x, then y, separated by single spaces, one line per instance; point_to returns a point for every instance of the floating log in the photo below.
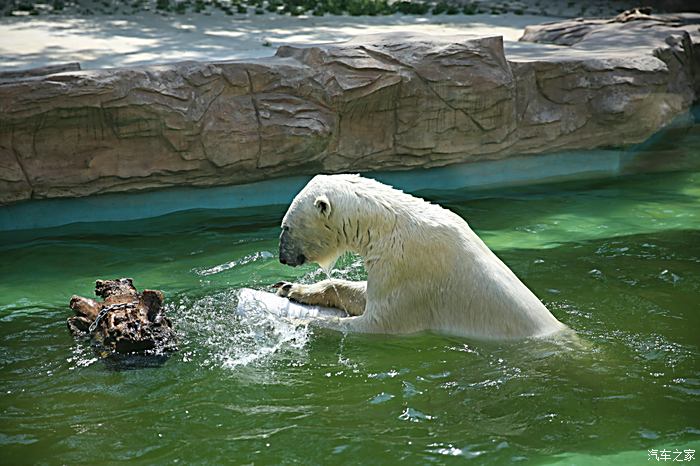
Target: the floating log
pixel 125 322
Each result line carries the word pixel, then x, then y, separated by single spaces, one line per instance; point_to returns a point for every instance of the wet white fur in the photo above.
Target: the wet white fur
pixel 426 269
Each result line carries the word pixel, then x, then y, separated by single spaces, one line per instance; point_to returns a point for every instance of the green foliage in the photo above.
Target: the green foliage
pixel 367 7
pixel 335 7
pixel 273 5
pixel 383 7
pixel 411 8
pixel 470 9
pixel 444 7
pixel 440 8
pixel 293 7
pixel 356 7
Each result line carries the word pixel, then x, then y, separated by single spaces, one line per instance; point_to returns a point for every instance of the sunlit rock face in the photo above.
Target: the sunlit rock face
pixel 617 81
pixel 379 102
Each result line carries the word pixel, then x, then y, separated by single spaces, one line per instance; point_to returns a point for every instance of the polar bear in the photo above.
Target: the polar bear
pixel 426 269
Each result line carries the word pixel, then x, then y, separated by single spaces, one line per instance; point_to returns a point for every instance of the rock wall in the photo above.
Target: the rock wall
pixel 378 102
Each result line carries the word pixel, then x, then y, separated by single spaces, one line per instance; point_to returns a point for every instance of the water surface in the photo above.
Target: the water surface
pixel 618 260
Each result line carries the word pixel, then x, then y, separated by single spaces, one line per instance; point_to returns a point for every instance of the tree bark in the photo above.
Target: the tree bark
pixel 125 322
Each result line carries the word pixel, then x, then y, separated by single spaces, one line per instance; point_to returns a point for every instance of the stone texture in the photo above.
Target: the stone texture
pixel 633 36
pixel 616 79
pixel 41 71
pixel 379 102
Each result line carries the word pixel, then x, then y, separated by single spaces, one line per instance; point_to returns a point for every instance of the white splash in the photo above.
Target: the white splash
pixel 216 335
pixel 261 255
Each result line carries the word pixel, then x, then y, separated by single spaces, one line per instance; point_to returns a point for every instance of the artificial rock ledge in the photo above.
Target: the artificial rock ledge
pixel 380 102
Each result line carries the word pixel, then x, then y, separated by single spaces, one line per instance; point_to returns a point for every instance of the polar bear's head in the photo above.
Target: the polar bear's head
pixel 309 228
pixel 338 213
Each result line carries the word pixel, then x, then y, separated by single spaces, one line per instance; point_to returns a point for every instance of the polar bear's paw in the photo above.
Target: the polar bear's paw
pixel 289 290
pixel 340 294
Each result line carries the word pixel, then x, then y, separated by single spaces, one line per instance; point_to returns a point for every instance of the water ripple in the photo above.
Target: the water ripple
pixel 257 256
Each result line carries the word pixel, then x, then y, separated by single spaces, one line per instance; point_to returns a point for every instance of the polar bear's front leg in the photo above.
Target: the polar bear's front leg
pixel 349 296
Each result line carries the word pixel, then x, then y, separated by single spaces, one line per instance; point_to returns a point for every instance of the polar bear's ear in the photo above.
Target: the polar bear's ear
pixel 323 205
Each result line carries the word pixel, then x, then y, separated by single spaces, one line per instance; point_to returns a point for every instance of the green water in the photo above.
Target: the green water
pixel 617 260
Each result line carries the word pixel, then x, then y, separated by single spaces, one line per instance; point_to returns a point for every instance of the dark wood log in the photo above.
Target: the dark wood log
pixel 126 321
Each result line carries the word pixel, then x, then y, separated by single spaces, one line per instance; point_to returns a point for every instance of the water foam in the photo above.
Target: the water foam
pixel 216 336
pixel 258 256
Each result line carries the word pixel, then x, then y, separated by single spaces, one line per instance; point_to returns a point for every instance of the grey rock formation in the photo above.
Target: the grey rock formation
pixel 379 102
pixel 42 71
pixel 633 36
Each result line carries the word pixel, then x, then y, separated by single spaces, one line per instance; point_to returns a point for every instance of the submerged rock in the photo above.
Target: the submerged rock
pixel 126 322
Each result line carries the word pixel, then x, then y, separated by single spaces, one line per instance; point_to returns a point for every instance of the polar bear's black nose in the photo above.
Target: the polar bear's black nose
pixel 289 254
pixel 291 260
